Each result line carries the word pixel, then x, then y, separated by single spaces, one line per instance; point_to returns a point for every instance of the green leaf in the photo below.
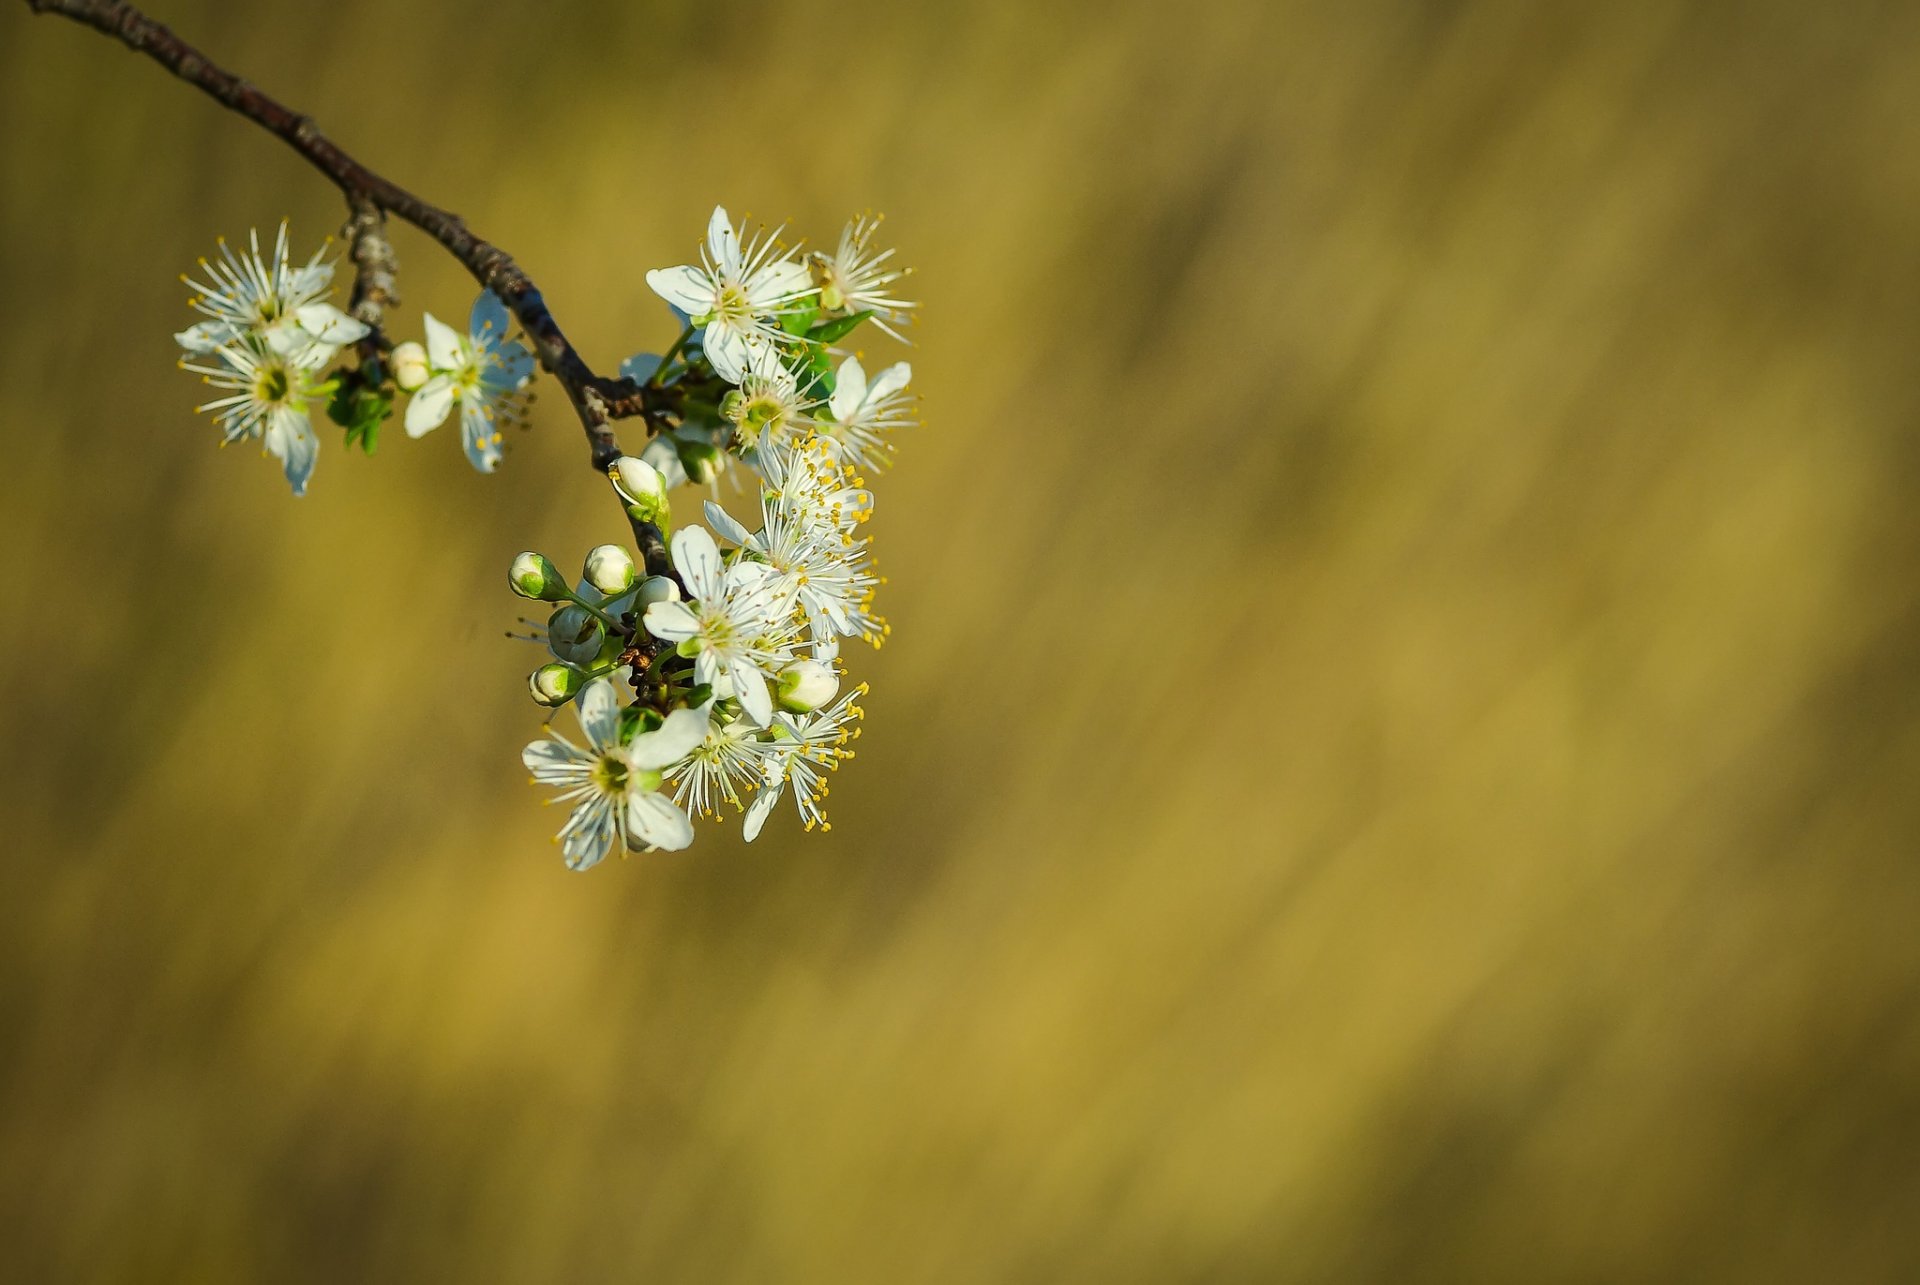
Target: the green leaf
pixel 838 328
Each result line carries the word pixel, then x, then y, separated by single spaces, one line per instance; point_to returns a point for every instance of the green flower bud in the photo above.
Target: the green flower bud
pixel 806 685
pixel 637 481
pixel 610 570
pixel 553 685
pixel 532 576
pixel 575 635
pixel 410 368
pixel 701 460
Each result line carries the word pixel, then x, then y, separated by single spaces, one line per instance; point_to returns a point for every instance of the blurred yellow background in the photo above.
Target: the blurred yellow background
pixel 1397 759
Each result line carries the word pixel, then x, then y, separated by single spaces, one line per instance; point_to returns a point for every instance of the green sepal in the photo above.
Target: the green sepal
pixel 699 695
pixel 359 408
pixel 837 328
pixel 798 323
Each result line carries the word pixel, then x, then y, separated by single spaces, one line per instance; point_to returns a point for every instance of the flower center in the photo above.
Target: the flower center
pixel 733 302
pixel 610 774
pixel 273 385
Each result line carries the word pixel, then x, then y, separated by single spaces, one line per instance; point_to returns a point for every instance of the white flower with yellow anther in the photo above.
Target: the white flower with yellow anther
pixel 800 751
pixel 482 371
pixel 737 295
pixel 862 415
pixel 269 393
pixel 614 783
pixel 810 512
pixel 246 295
pixel 738 622
pixel 857 278
pixel 723 767
pixel 767 410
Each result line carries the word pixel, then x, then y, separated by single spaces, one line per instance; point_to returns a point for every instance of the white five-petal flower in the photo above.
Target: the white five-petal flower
pixel 740 619
pixel 737 295
pixel 768 410
pixel 613 783
pixel 284 307
pixel 806 544
pixel 800 752
pixel 863 414
pixel 482 371
pixel 856 278
pixel 268 395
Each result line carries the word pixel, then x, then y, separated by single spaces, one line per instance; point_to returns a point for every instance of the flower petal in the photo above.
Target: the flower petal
pixel 670 621
pixel 489 317
pixel 760 809
pixel 480 438
pixel 599 710
pixel 686 288
pixel 511 367
pixel 697 558
pixel 654 819
pixel 329 325
pixel 289 438
pixel 555 761
pixel 672 741
pixel 849 390
pixel 443 343
pixel 778 283
pixel 660 453
pixel 722 521
pixel 750 686
pixel 890 381
pixel 428 409
pixel 588 836
pixel 204 336
pixel 722 244
pixel 728 351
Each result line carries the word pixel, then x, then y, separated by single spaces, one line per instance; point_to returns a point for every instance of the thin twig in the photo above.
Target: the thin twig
pixel 597 400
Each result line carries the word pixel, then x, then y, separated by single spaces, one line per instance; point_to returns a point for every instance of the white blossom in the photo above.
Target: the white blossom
pixel 723 767
pixel 862 415
pixel 801 750
pixel 856 278
pixel 614 783
pixel 736 295
pixel 482 371
pixel 768 409
pixel 739 619
pixel 809 513
pixel 268 395
pixel 246 295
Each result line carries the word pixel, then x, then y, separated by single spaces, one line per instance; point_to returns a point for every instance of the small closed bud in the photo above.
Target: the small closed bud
pixel 637 481
pixel 532 576
pixel 554 685
pixel 655 589
pixel 410 368
pixel 701 460
pixel 610 570
pixel 806 685
pixel 575 635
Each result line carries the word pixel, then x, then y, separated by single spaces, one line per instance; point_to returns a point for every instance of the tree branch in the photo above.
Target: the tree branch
pixel 597 400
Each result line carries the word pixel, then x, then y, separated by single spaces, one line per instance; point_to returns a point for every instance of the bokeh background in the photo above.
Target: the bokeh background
pixel 1397 760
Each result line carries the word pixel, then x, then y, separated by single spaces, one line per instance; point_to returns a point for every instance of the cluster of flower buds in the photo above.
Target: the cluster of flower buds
pixel 271 333
pixel 715 682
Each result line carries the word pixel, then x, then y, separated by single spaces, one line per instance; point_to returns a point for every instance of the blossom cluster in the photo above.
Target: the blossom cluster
pixel 271 331
pixel 716 682
pixel 713 678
